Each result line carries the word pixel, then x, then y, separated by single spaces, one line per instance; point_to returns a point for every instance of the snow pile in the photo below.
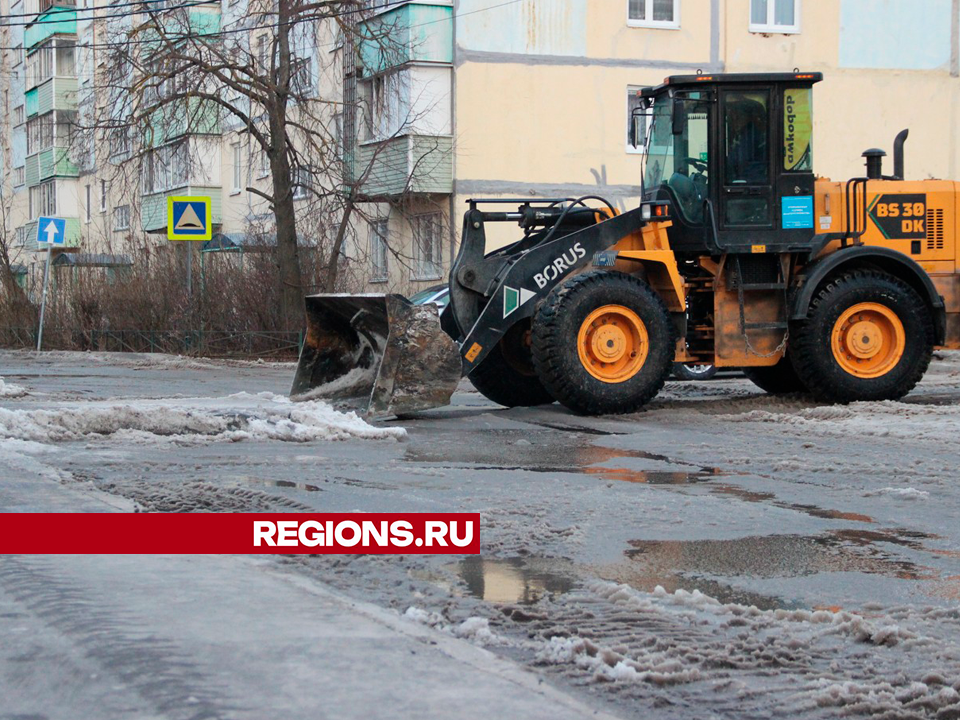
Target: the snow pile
pixel 606 664
pixel 907 493
pixel 475 629
pixel 873 419
pixel 237 417
pixel 9 390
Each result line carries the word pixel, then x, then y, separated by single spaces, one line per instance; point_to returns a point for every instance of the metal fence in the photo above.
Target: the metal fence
pixel 198 342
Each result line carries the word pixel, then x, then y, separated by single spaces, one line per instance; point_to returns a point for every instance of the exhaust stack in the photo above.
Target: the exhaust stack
pixel 898 153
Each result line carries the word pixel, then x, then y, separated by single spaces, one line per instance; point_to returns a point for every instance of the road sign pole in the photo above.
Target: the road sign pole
pixel 189 251
pixel 43 298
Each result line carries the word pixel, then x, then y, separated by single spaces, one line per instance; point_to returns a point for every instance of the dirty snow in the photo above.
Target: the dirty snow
pixel 9 390
pixel 907 493
pixel 915 422
pixel 242 416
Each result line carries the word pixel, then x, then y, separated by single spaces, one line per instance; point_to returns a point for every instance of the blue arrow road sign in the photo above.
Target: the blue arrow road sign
pixel 51 230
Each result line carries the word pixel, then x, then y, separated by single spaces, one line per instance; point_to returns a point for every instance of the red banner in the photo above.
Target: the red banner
pixel 239 533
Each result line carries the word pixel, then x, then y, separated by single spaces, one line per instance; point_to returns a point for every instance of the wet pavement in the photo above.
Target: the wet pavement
pixel 716 491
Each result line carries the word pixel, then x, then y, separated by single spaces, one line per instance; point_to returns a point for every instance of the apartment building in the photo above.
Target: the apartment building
pixel 476 98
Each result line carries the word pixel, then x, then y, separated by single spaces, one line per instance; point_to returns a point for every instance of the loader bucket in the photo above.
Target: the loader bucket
pixel 376 354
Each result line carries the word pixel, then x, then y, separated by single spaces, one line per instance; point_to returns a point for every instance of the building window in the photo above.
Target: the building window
pixel 121 217
pixel 263 162
pixel 39 133
pixel 637 124
pixel 302 180
pixel 54 57
pixel 119 143
pixel 775 16
pixel 166 168
pixel 18 176
pixel 379 248
pixel 237 168
pixel 43 200
pixel 302 80
pixel 654 13
pixel 427 246
pixel 17 55
pixel 18 115
pixel 262 65
pixel 103 196
pixel 382 100
pixel 89 209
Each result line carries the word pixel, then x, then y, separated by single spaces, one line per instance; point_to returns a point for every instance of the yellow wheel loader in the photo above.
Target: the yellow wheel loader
pixel 737 256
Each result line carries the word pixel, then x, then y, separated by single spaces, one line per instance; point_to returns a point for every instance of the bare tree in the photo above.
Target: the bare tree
pixel 268 79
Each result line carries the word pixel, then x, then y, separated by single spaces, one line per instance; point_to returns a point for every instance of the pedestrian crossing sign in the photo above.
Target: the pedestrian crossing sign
pixel 189 218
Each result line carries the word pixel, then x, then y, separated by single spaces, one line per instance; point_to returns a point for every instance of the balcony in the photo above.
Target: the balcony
pixel 413 164
pixel 417 32
pixel 52 162
pixel 57 93
pixel 54 21
pixel 191 116
pixel 153 208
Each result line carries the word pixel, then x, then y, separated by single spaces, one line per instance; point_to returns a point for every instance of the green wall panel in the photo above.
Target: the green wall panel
pixel 45 98
pixel 414 32
pixel 31 102
pixel 393 166
pixel 32 170
pixel 55 21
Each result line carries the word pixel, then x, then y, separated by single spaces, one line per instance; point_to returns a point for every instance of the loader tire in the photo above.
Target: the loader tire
pixel 603 343
pixel 867 336
pixel 506 375
pixel 779 379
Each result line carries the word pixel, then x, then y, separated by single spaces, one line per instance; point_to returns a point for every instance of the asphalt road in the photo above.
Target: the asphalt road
pixel 723 553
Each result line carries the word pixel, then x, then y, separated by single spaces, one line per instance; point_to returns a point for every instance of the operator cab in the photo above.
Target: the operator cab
pixel 732 153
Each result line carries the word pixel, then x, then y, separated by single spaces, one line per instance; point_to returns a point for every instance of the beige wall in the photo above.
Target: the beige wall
pixel 538 123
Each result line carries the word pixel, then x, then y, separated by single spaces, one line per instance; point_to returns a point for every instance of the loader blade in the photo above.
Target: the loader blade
pixel 376 354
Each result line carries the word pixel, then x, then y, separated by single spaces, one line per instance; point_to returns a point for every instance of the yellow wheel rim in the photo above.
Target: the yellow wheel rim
pixel 868 340
pixel 613 343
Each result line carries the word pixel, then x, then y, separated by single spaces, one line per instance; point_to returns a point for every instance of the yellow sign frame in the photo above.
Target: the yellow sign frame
pixel 207 216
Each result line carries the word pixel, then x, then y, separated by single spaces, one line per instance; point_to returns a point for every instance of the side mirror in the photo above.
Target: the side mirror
pixel 678 116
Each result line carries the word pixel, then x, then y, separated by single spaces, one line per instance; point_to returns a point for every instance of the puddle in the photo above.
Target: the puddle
pixel 521 581
pixel 778 556
pixel 504 450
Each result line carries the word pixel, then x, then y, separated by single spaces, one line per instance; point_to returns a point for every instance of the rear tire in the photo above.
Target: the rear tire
pixel 506 375
pixel 690 371
pixel 616 324
pixel 779 379
pixel 867 336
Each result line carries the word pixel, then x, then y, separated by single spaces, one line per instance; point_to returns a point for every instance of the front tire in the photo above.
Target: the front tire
pixel 506 374
pixel 603 343
pixel 867 336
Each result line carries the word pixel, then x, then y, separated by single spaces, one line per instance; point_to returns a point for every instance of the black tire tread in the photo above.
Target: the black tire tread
pixel 548 336
pixel 805 345
pixel 498 381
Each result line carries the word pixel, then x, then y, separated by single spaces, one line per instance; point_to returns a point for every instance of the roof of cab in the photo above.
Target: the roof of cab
pixel 725 78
